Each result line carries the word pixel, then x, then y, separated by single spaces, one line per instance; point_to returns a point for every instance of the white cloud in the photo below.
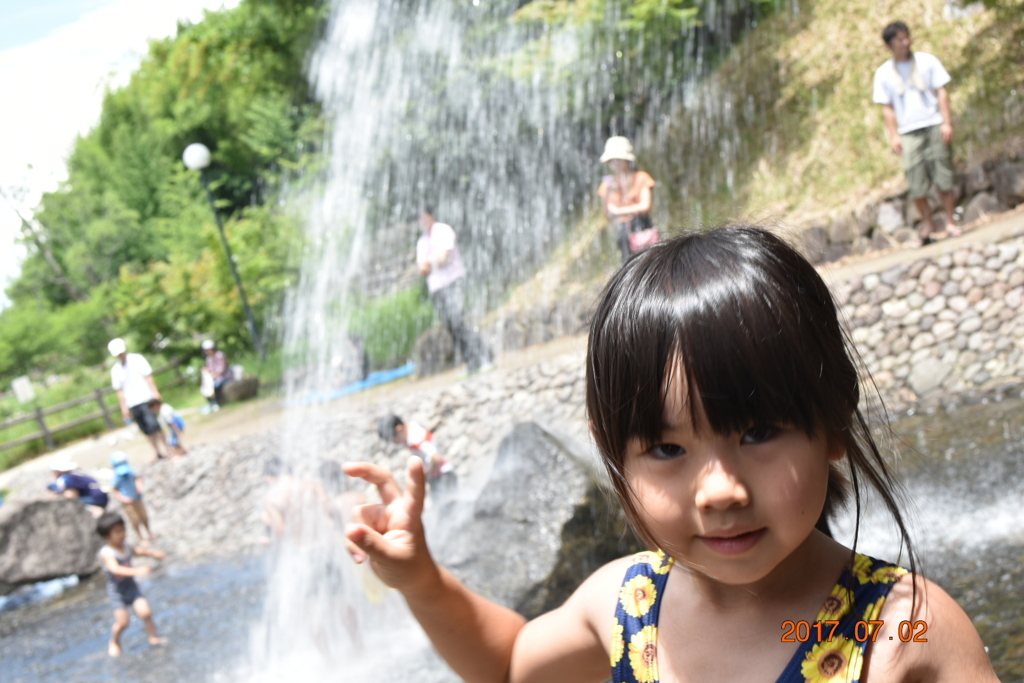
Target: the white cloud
pixel 52 91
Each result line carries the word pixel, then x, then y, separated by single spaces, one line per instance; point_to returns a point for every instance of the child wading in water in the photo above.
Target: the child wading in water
pixel 724 401
pixel 116 558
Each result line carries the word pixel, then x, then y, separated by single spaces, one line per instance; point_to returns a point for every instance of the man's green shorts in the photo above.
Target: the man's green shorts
pixel 926 160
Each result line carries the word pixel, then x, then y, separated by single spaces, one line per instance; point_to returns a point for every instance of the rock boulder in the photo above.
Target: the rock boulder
pixel 542 500
pixel 815 243
pixel 890 216
pixel 46 539
pixel 983 204
pixel 1008 182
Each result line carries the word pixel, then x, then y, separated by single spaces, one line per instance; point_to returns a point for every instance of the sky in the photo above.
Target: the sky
pixel 57 59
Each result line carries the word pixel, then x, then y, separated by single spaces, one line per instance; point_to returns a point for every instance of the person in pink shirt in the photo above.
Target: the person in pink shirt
pixel 439 260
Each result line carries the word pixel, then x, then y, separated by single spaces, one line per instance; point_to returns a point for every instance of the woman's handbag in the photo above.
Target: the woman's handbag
pixel 642 233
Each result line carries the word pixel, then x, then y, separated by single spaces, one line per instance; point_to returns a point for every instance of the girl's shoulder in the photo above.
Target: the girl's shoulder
pixel 573 641
pixel 925 635
pixel 597 597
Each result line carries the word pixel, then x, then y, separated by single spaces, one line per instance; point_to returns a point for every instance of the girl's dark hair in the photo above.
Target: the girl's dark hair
pixel 753 328
pixel 892 30
pixel 107 522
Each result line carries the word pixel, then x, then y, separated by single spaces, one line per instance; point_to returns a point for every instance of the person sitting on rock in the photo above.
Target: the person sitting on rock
pixel 440 473
pixel 70 484
pixel 116 559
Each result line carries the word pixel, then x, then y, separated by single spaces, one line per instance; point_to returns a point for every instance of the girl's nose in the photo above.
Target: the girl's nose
pixel 719 488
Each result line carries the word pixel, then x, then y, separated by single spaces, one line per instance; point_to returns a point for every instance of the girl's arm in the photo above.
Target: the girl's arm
pixel 481 640
pixel 943 647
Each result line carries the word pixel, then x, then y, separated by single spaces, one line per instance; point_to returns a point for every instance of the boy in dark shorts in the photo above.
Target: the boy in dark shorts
pixel 116 559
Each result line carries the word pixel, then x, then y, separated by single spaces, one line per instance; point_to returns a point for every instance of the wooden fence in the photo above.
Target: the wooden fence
pixel 47 431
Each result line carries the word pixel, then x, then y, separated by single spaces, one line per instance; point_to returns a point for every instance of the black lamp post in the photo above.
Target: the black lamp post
pixel 197 158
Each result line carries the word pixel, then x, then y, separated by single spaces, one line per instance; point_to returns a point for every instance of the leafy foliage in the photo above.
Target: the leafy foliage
pixel 127 245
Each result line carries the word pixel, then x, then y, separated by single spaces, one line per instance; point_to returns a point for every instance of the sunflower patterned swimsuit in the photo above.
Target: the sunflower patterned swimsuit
pixel 857 597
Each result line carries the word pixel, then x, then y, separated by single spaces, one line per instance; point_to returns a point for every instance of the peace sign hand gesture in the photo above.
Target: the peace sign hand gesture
pixel 390 533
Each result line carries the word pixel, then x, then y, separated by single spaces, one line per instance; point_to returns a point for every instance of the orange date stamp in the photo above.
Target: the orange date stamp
pixel 863 631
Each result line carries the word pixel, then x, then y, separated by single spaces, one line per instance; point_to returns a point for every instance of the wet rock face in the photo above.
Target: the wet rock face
pixel 46 539
pixel 538 528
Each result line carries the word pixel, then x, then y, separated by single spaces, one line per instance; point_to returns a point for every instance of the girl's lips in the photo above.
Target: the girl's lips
pixel 733 545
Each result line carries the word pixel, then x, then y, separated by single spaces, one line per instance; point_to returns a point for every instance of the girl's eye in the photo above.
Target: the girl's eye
pixel 758 434
pixel 666 451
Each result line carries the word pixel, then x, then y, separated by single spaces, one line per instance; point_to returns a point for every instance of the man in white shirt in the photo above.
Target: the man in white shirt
pixel 132 378
pixel 438 258
pixel 911 87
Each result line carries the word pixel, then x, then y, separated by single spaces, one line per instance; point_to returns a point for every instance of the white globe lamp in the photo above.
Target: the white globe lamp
pixel 196 156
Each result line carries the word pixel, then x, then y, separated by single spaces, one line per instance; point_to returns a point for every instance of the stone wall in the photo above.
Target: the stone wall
pixel 981 191
pixel 942 325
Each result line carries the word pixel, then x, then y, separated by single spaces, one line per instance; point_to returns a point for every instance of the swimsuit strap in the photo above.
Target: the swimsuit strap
pixel 634 647
pixel 855 601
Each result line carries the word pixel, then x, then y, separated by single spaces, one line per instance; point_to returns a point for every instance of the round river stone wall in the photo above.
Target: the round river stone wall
pixel 942 325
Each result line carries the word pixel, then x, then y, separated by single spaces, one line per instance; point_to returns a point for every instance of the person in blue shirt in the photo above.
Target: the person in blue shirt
pixel 128 490
pixel 69 484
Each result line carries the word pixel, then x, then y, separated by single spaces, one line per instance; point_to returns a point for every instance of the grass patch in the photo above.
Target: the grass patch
pixel 806 138
pixel 390 325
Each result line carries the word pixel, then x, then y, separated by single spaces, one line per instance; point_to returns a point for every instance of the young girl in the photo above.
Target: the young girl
pixel 724 401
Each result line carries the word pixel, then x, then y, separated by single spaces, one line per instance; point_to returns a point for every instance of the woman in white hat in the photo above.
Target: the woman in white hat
pixel 626 193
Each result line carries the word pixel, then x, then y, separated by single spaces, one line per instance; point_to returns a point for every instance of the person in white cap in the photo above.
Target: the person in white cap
pixel 132 379
pixel 626 193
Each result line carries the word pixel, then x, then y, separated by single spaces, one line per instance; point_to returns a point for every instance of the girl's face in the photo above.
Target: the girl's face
pixel 731 507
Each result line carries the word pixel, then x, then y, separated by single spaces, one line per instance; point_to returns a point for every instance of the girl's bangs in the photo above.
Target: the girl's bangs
pixel 733 320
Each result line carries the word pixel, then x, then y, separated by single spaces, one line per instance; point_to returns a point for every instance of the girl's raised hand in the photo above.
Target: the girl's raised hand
pixel 390 533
